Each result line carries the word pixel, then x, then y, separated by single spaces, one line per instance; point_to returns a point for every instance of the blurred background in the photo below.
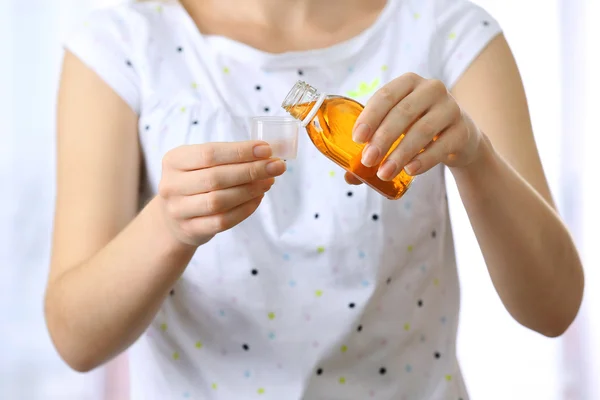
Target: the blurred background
pixel 556 46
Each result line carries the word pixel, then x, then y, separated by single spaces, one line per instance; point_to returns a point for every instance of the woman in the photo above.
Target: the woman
pixel 235 288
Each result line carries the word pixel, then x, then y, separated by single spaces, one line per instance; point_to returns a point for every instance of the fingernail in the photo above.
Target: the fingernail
pixel 370 155
pixel 387 171
pixel 262 151
pixel 413 167
pixel 361 133
pixel 275 168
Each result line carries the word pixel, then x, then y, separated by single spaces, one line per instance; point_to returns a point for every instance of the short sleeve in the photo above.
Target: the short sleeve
pixel 104 43
pixel 463 30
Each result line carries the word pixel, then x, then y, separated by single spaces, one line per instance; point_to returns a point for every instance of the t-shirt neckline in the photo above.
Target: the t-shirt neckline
pixel 305 58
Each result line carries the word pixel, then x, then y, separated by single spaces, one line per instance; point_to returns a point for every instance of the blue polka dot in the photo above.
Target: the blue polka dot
pixel 408 368
pixel 407 205
pixel 292 283
pixel 271 335
pixel 443 320
pixel 286 257
pixel 351 69
pixel 289 168
pixel 361 254
pixel 422 338
pixel 423 268
pixel 222 313
pixel 365 283
pixel 247 374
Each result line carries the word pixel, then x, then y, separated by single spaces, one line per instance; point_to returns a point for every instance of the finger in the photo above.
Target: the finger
pixel 220 201
pixel 223 177
pixel 399 120
pixel 440 151
pixel 198 156
pixel 210 225
pixel 381 103
pixel 419 135
pixel 351 179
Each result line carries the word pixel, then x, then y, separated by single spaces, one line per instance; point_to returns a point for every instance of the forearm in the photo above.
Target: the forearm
pixel 529 253
pixel 99 308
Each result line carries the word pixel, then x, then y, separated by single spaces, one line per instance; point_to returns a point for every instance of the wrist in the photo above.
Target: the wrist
pixel 161 226
pixel 483 160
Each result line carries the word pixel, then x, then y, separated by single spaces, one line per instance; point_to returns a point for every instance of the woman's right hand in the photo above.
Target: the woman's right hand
pixel 209 188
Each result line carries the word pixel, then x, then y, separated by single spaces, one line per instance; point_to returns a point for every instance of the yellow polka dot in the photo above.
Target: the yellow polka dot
pixel 410 248
pixel 320 249
pixel 342 380
pixel 176 356
pixel 226 70
pixel 261 391
pixel 436 282
pixel 318 293
pixel 448 378
pixel 182 109
pixel 332 173
pixel 199 345
pixel 407 327
pixel 344 348
pixel 194 85
pixel 214 386
pixel 384 67
pixel 452 35
pixel 416 15
pixel 163 327
pixel 271 315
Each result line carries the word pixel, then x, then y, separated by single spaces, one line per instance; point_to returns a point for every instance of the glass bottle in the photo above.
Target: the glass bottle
pixel 329 121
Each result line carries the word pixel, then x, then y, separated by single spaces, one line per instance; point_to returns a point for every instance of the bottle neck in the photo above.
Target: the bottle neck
pixel 301 100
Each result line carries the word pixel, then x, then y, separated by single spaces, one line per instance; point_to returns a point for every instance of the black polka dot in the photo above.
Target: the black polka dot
pixel 300 72
pixel 129 64
pixel 437 354
pixel 180 49
pixel 420 303
pixel 147 127
pixel 388 281
pixel 195 122
pixel 375 217
pixel 254 272
pixel 172 292
pixel 486 23
pixel 349 194
pixel 320 371
pixel 267 109
pixel 245 347
pixel 351 305
pixel 359 328
pixel 433 234
pixel 257 87
pixel 316 215
pixel 382 371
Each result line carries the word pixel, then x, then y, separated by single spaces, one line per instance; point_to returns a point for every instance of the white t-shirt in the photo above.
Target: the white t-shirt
pixel 328 291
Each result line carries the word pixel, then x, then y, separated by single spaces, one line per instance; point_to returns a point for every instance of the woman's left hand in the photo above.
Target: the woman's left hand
pixel 436 129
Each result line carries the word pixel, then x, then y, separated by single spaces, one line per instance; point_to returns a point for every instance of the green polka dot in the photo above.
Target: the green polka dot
pixel 332 173
pixel 261 391
pixel 214 386
pixel 384 67
pixel 410 248
pixel 436 282
pixel 226 70
pixel 344 348
pixel 342 380
pixel 448 378
pixel 194 85
pixel 321 249
pixel 407 327
pixel 199 345
pixel 416 15
pixel 159 9
pixel 271 315
pixel 318 293
pixel 163 327
pixel 176 356
pixel 452 35
pixel 86 24
pixel 183 109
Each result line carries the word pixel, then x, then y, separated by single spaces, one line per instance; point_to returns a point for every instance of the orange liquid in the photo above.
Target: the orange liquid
pixel 331 131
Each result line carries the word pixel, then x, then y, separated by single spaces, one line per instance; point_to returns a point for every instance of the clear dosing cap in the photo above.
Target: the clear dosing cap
pixel 281 133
